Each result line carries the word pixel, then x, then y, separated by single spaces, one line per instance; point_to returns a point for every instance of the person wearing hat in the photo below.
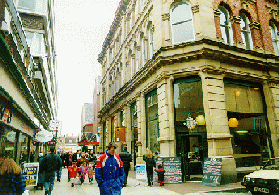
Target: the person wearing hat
pixel 109 172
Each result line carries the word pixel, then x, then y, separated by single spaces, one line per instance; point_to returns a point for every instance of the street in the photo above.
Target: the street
pixel 134 187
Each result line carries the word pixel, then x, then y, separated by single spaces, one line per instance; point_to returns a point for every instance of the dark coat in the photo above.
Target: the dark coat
pixel 51 163
pixel 150 162
pixel 126 158
pixel 12 184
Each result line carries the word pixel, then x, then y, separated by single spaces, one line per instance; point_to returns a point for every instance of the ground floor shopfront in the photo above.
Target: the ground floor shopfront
pixel 197 116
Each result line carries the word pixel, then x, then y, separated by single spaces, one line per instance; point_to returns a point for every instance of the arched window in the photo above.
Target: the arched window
pixel 150 38
pixel 245 32
pixel 143 50
pixel 225 26
pixel 274 36
pixel 182 22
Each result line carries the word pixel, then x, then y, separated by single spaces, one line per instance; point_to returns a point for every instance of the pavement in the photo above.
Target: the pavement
pixel 137 187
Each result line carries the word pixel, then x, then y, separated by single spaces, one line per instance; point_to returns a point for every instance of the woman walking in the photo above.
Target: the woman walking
pixel 150 163
pixel 12 181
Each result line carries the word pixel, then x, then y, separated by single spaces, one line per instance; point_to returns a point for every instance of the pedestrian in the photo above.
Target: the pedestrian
pixel 12 181
pixel 41 174
pixel 51 163
pixel 126 159
pixel 90 173
pixel 72 172
pixel 150 163
pixel 109 172
pixel 82 159
pixel 83 170
pixel 60 169
pixel 76 155
pixel 161 175
pixel 70 159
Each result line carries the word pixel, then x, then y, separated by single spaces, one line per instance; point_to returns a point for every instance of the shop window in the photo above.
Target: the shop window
pixel 275 38
pixel 188 103
pixel 36 43
pixel 152 123
pixel 37 6
pixel 245 32
pixel 23 141
pixel 7 143
pixel 225 25
pixel 150 39
pixel 247 123
pixel 182 22
pixel 134 132
pixel 112 129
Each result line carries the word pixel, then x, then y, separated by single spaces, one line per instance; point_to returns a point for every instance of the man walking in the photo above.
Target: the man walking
pixel 126 159
pixel 51 163
pixel 109 172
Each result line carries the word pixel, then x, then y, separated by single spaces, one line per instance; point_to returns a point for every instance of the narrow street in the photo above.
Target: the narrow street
pixel 134 187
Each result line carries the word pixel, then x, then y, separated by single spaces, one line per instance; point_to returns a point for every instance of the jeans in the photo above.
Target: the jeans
pixel 149 170
pixel 126 170
pixel 49 182
pixel 59 173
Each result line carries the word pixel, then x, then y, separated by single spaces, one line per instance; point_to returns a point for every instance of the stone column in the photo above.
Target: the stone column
pixel 166 138
pixel 141 127
pixel 127 124
pixel 218 133
pixel 271 93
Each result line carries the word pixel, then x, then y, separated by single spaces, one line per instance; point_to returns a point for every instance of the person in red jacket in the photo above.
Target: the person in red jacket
pixel 72 171
pixel 161 175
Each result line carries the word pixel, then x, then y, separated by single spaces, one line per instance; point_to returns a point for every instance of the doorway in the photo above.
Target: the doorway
pixel 192 148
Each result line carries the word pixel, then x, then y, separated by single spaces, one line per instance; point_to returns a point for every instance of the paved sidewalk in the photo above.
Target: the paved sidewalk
pixel 134 187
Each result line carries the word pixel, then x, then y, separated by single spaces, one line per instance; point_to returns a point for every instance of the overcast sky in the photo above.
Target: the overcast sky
pixel 80 30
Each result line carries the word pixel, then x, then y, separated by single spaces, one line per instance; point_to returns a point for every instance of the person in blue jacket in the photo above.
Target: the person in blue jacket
pixel 109 172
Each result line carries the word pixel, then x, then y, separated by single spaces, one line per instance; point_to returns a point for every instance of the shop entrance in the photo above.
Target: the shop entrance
pixel 192 148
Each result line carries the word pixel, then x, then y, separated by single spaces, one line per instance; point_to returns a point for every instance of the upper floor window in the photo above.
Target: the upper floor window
pixel 150 38
pixel 275 38
pixel 225 26
pixel 37 6
pixel 182 22
pixel 245 32
pixel 143 50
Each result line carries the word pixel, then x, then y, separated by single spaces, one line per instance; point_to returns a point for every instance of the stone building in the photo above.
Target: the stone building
pixel 193 79
pixel 28 82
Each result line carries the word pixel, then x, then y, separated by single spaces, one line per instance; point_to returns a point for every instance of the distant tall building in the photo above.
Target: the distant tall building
pixel 86 115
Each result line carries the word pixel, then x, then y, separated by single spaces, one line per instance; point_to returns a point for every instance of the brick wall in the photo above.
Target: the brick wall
pixel 258 12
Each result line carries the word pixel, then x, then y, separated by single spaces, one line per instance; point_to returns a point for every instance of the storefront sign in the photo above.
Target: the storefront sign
pixel 11 136
pixel 120 134
pixel 31 171
pixel 172 167
pixel 212 172
pixel 5 114
pixel 44 136
pixel 141 171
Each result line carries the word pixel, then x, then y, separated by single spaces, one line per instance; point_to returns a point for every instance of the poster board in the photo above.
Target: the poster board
pixel 31 171
pixel 212 172
pixel 172 167
pixel 141 171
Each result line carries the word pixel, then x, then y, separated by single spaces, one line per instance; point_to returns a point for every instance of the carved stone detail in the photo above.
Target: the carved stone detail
pixel 272 12
pixel 166 16
pixel 255 25
pixel 217 13
pixel 235 19
pixel 195 8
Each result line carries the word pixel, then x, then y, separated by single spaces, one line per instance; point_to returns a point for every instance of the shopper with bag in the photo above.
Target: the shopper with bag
pixel 12 181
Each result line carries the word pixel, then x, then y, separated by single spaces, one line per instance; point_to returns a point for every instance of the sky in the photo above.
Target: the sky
pixel 81 27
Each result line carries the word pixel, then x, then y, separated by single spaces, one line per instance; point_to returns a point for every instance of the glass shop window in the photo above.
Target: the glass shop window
pixel 188 103
pixel 247 123
pixel 153 131
pixel 23 140
pixel 7 143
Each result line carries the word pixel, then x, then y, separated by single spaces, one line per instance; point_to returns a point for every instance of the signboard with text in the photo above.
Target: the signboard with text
pixel 141 171
pixel 212 172
pixel 31 171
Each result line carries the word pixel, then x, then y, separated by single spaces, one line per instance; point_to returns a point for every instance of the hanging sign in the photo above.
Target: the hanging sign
pixel 190 123
pixel 44 136
pixel 5 115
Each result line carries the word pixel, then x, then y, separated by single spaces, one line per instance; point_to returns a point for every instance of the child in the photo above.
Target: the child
pixel 90 174
pixel 82 171
pixel 72 172
pixel 161 175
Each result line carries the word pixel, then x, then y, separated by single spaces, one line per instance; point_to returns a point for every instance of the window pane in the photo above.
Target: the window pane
pixel 27 4
pixel 181 12
pixel 183 32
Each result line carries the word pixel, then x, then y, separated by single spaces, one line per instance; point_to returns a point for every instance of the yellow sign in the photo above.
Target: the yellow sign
pixel 31 171
pixel 67 149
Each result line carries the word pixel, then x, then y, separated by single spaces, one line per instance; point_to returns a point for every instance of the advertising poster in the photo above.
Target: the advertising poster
pixel 141 171
pixel 31 171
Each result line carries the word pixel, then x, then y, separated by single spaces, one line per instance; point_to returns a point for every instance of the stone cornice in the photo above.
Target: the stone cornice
pixel 209 49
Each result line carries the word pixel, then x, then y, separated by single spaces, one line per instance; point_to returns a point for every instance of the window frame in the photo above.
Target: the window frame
pixel 246 32
pixel 227 27
pixel 275 40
